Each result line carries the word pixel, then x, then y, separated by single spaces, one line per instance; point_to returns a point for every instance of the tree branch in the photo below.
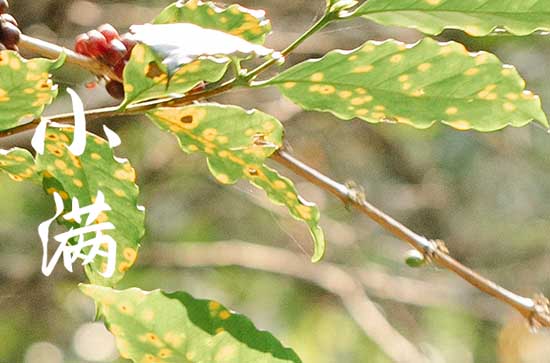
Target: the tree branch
pixel 536 310
pixel 329 277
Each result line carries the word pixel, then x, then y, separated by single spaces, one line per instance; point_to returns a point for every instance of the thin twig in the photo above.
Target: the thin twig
pixel 536 310
pixel 275 260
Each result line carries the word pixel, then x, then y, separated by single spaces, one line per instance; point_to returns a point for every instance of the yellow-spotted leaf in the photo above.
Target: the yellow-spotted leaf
pixel 415 84
pixel 237 143
pixel 165 327
pixel 25 87
pixel 234 19
pixel 475 17
pixel 146 77
pixel 181 43
pixel 19 164
pixel 82 177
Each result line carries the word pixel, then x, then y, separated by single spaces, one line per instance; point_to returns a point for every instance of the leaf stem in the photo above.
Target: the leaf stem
pixel 319 24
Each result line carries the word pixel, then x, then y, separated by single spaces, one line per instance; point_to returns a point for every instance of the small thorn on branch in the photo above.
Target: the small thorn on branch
pixel 433 249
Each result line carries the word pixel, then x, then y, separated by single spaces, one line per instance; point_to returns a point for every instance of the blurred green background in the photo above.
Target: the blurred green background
pixel 485 194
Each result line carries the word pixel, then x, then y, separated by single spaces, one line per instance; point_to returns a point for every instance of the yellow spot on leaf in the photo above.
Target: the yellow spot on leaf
pixel 363 69
pixel 317 77
pixel 482 58
pixel 345 94
pixel 304 211
pixel 279 184
pixel 116 330
pixel 60 164
pixel 15 64
pixel 460 125
pixel 78 183
pixel 396 58
pixel 472 29
pixel 122 174
pixel 124 266
pixel 224 315
pixel 417 93
pixel 507 71
pixel 451 111
pixel 510 107
pixel 138 54
pixel 222 139
pixel 368 48
pixel 289 85
pixel 222 178
pixel 125 308
pixel 471 72
pixel 327 90
pixel 213 305
pixel 424 67
pixel 210 134
pixel 129 254
pixel 165 353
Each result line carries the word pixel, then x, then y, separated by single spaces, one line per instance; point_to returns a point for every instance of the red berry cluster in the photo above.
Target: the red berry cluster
pixel 111 48
pixel 9 32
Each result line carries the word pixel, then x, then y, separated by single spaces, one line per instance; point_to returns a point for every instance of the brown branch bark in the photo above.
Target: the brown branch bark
pixel 536 310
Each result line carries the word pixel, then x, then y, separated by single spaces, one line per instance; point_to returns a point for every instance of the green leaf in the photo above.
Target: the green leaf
pixel 175 327
pixel 181 43
pixel 237 143
pixel 145 77
pixel 19 164
pixel 416 85
pixel 475 17
pixel 174 58
pixel 25 87
pixel 82 177
pixel 235 19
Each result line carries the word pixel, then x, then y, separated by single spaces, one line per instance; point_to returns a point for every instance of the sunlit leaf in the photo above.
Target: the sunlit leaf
pixel 25 87
pixel 182 43
pixel 19 164
pixel 475 17
pixel 237 143
pixel 416 85
pixel 82 177
pixel 145 77
pixel 175 327
pixel 234 19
